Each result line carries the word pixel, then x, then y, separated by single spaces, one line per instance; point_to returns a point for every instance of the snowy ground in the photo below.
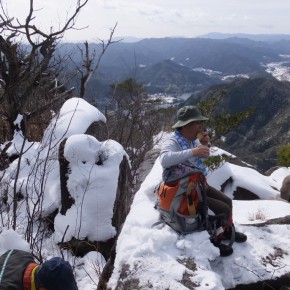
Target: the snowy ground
pixel 280 70
pixel 160 257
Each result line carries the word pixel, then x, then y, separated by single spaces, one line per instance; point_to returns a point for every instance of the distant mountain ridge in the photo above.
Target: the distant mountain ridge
pixel 182 78
pixel 218 35
pixel 144 60
pixel 256 37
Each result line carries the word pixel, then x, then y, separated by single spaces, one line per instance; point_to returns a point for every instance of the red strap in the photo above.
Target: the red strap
pixel 27 276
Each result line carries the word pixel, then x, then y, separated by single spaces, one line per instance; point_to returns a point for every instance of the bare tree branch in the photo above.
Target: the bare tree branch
pixel 89 59
pixel 29 71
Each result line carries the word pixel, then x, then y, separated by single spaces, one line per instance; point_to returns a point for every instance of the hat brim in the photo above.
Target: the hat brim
pixel 179 123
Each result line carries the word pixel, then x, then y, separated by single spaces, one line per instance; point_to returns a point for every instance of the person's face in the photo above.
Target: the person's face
pixel 191 130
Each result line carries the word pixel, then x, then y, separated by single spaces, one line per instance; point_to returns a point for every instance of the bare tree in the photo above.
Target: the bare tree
pixel 90 63
pixel 133 120
pixel 29 72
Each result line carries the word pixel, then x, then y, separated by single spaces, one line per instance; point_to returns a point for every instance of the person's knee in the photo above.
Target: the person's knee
pixel 228 212
pixel 219 207
pixel 230 203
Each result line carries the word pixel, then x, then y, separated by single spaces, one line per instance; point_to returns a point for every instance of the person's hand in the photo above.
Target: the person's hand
pixel 201 151
pixel 203 138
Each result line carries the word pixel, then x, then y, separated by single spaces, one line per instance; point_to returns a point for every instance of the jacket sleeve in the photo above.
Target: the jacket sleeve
pixel 171 153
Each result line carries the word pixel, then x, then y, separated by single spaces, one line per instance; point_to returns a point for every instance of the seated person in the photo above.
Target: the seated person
pixel 183 147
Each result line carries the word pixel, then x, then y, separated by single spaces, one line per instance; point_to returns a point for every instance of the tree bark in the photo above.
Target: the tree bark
pixel 66 199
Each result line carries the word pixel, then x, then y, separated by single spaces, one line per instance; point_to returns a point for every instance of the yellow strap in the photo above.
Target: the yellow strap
pixel 190 187
pixel 191 207
pixel 33 287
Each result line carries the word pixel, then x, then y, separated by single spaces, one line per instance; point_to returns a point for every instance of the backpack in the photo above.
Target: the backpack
pixel 182 204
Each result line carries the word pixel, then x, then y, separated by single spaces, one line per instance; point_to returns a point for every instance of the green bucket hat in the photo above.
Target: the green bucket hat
pixel 186 115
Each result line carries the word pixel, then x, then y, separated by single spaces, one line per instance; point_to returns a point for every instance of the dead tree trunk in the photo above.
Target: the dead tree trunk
pixel 66 199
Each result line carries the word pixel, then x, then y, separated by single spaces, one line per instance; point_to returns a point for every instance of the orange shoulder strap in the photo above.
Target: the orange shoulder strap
pixel 28 279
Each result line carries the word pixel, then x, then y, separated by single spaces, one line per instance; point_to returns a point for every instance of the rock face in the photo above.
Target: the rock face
pixel 120 210
pixel 285 189
pixel 98 130
pixel 146 166
pixel 66 198
pixel 244 194
pixel 123 199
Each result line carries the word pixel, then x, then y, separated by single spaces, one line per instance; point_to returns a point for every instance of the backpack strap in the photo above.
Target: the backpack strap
pixel 217 232
pixel 214 227
pixel 160 222
pixel 28 277
pixel 233 234
pixel 201 191
pixel 179 195
pixel 190 202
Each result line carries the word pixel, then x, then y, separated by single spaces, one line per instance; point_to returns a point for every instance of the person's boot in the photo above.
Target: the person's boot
pixel 225 250
pixel 239 237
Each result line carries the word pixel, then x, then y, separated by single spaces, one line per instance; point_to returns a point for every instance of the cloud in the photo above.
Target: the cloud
pixel 157 13
pixel 164 18
pixel 180 17
pixel 247 18
pixel 266 26
pixel 110 4
pixel 185 18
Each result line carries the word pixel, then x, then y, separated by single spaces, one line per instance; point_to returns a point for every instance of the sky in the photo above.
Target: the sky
pixel 160 18
pixel 152 254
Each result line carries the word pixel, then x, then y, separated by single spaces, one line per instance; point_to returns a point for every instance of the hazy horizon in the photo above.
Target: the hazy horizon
pixel 158 19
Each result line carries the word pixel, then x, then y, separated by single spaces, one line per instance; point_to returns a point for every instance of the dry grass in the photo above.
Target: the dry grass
pixel 258 215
